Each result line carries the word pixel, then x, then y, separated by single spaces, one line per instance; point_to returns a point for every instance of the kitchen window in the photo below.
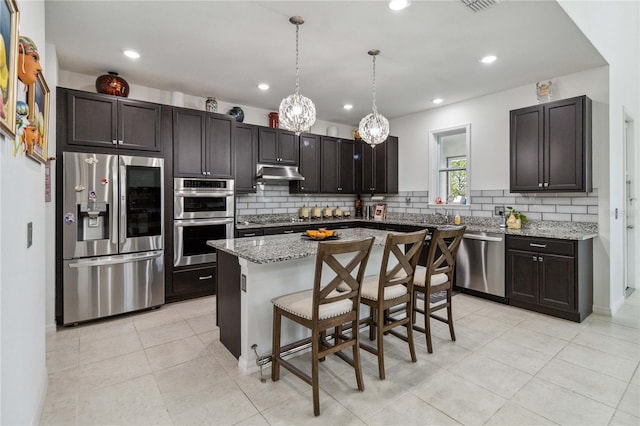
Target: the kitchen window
pixel 449 150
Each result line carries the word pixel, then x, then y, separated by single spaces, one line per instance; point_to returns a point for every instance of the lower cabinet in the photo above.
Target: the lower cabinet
pixel 551 276
pixel 192 282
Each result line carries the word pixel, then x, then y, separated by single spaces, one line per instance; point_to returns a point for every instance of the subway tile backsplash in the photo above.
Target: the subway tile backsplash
pixel 272 199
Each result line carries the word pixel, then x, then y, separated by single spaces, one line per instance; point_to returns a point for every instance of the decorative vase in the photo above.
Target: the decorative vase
pixel 274 120
pixel 111 84
pixel 211 105
pixel 237 112
pixel 513 223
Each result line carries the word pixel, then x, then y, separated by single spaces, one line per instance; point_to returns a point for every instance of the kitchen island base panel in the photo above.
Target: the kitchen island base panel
pixel 263 283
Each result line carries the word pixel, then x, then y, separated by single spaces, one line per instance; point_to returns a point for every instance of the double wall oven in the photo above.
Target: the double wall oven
pixel 203 210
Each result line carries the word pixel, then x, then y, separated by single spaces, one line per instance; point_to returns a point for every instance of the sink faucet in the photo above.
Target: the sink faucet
pixel 445 216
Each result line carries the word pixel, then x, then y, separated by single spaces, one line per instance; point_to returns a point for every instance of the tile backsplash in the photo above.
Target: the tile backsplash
pixel 565 207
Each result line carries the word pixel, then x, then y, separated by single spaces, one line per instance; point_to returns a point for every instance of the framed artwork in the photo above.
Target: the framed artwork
pixel 8 65
pixel 380 212
pixel 35 134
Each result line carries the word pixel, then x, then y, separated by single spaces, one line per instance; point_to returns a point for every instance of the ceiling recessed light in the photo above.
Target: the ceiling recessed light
pixel 399 4
pixel 263 86
pixel 437 100
pixel 348 107
pixel 131 54
pixel 488 59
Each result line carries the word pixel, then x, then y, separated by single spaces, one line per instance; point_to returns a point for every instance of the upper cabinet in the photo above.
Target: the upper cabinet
pixel 108 121
pixel 309 166
pixel 338 165
pixel 551 147
pixel 202 144
pixel 245 141
pixel 380 167
pixel 277 146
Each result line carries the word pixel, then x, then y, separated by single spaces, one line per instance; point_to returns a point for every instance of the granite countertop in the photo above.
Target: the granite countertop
pixel 280 248
pixel 542 229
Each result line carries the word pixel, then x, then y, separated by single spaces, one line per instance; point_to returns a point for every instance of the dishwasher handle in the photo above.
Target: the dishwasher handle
pixel 482 238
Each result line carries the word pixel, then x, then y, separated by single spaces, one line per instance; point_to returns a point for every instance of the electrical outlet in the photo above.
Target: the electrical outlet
pixel 243 282
pixel 499 210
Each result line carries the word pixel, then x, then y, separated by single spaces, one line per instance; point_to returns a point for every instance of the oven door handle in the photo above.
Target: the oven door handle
pixel 201 222
pixel 203 194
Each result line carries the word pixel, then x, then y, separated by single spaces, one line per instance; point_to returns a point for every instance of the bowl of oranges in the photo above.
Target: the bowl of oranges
pixel 320 234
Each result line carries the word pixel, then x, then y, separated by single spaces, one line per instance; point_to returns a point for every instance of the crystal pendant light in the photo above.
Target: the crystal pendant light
pixel 374 128
pixel 297 113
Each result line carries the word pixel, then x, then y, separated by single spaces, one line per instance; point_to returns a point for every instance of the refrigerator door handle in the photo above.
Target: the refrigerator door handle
pixel 115 260
pixel 123 201
pixel 113 213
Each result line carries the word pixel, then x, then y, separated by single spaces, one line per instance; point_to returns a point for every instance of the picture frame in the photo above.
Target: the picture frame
pixel 380 212
pixel 9 18
pixel 36 134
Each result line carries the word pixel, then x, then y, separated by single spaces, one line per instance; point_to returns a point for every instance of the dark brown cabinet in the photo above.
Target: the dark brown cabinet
pixel 277 146
pixel 98 120
pixel 338 165
pixel 202 144
pixel 380 167
pixel 254 232
pixel 550 147
pixel 191 282
pixel 245 142
pixel 278 230
pixel 550 276
pixel 309 166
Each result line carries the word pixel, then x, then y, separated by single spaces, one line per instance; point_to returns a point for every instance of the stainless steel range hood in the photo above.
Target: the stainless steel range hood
pixel 269 172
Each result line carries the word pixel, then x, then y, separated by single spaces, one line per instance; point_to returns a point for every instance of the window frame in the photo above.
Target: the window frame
pixel 434 154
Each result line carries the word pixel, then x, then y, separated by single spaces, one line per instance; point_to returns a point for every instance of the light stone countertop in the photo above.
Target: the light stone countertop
pixel 280 248
pixel 541 229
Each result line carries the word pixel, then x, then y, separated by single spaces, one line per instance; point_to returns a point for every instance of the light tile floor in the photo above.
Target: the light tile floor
pixel 508 367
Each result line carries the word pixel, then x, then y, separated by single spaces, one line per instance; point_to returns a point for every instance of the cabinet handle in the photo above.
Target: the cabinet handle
pixel 207 277
pixel 537 245
pixel 302 187
pixel 540 259
pixel 253 234
pixel 546 184
pixel 115 142
pixel 535 258
pixel 288 231
pixel 254 187
pixel 539 184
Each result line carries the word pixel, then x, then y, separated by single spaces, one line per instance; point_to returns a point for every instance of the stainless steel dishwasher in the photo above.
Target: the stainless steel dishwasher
pixel 480 265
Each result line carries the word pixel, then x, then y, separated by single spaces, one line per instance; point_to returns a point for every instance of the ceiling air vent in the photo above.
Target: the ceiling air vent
pixel 479 5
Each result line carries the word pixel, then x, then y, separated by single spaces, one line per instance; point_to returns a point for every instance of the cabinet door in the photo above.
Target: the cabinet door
pixel 557 281
pixel 563 145
pixel 288 147
pixel 139 125
pixel 347 166
pixel 368 167
pixel 246 154
pixel 91 119
pixel 526 149
pixel 309 165
pixel 188 143
pixel 329 165
pixel 218 147
pixel 268 145
pixel 522 276
pixel 392 165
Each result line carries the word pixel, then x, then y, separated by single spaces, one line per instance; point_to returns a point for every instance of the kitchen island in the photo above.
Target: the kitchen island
pixel 252 271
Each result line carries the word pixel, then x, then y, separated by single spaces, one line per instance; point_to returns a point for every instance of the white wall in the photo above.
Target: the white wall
pixel 613 29
pixel 22 269
pixel 489 119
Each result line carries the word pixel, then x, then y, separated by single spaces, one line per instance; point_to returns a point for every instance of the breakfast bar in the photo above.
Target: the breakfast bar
pixel 252 271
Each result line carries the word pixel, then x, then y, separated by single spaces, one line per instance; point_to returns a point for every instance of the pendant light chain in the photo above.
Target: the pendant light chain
pixel 297 61
pixel 375 110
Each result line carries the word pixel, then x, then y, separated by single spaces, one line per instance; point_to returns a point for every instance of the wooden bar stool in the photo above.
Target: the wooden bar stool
pixel 323 308
pixel 437 276
pixel 392 287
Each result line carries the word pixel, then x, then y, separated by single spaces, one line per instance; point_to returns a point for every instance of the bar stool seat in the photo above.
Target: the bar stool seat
pixel 301 304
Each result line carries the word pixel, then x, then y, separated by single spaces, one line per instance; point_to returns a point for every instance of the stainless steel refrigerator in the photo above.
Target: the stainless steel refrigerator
pixel 112 235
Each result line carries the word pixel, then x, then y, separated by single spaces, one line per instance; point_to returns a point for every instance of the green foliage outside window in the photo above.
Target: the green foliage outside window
pixel 458 178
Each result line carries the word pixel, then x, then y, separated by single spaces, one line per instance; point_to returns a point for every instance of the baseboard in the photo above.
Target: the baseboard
pixel 617 305
pixel 41 399
pixel 602 310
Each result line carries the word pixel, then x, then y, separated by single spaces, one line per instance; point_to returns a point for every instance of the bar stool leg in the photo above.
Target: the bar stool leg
pixel 315 343
pixel 275 357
